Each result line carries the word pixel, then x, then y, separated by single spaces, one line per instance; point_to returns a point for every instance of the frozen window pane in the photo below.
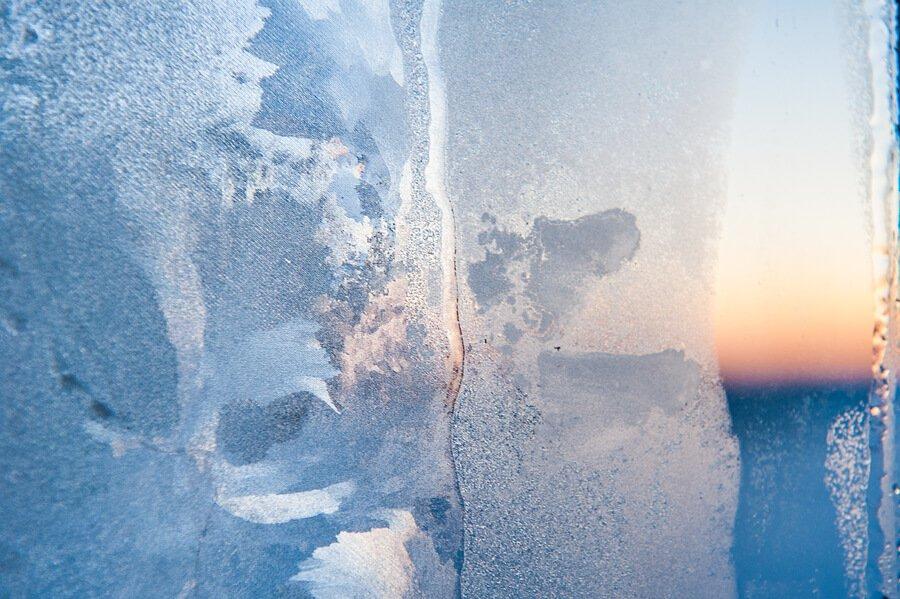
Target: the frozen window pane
pixel 412 298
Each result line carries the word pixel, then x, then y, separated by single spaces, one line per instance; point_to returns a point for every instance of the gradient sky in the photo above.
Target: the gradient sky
pixel 794 292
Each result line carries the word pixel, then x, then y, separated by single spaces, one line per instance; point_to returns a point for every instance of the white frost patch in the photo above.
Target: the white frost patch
pixel 272 363
pixel 847 476
pixel 372 564
pixel 436 185
pixel 345 237
pixel 367 25
pixel 118 442
pixel 278 508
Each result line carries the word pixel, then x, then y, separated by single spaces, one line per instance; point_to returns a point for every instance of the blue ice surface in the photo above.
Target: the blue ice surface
pixel 786 540
pixel 120 125
pixel 92 97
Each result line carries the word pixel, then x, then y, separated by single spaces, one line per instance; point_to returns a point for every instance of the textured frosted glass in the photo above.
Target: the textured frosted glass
pixel 420 298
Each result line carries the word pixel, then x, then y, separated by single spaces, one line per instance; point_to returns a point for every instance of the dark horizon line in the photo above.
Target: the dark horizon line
pixel 787 382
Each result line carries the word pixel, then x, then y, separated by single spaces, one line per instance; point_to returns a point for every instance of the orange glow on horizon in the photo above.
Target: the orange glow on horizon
pixel 794 287
pixel 764 344
pixel 804 314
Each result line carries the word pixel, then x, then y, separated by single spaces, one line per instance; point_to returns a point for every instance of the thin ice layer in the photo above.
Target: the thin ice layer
pixel 592 438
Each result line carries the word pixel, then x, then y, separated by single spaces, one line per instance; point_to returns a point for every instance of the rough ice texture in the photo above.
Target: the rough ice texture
pixel 225 300
pixel 220 359
pixel 592 437
pixel 847 474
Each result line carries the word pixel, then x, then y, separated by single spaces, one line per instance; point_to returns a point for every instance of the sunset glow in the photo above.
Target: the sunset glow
pixel 794 298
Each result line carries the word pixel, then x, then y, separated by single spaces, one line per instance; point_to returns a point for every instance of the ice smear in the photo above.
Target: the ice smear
pixel 284 507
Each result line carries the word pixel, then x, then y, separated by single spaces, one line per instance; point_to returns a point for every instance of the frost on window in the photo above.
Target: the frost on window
pixel 419 298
